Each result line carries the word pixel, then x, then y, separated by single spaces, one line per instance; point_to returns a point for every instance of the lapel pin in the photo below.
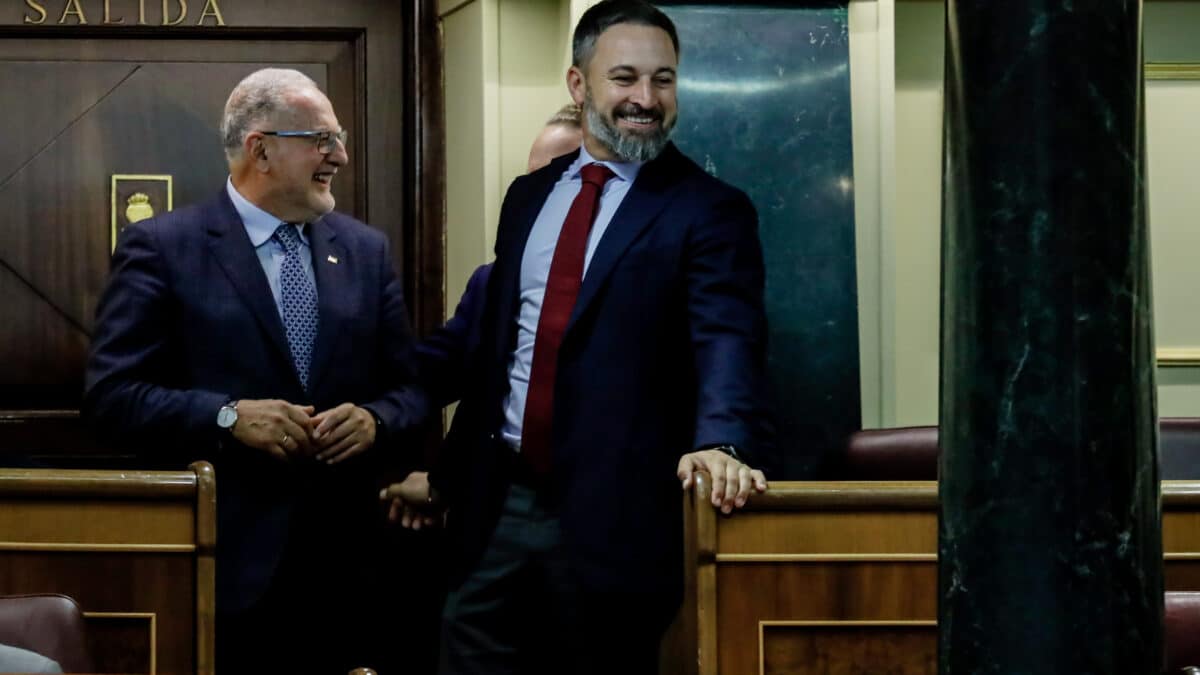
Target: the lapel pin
pixel 332 259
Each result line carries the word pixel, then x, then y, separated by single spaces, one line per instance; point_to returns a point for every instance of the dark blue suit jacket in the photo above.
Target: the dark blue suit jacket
pixel 445 354
pixel 188 322
pixel 664 354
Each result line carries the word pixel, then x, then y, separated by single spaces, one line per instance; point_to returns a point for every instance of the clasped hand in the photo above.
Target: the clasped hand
pixel 412 502
pixel 285 430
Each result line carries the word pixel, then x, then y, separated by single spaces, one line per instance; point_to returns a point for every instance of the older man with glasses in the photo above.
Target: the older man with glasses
pixel 267 334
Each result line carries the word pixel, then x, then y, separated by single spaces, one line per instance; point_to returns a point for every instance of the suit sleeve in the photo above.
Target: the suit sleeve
pixel 130 357
pixel 727 323
pixel 402 407
pixel 444 355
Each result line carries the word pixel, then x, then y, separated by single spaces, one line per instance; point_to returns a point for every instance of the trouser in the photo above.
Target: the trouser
pixel 522 610
pixel 321 613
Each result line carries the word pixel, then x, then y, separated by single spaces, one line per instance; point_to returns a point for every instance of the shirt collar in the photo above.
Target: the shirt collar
pixel 626 171
pixel 259 224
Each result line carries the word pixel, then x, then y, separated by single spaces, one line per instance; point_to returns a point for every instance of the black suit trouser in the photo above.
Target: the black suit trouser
pixel 523 611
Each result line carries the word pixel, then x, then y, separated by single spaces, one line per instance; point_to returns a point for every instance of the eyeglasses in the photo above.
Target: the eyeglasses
pixel 326 140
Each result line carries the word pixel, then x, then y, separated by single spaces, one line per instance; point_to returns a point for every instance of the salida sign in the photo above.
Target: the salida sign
pixel 121 13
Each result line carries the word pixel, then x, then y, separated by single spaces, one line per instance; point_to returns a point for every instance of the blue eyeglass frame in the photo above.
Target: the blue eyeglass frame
pixel 325 139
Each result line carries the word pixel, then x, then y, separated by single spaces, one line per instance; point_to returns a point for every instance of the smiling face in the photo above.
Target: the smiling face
pixel 293 177
pixel 627 90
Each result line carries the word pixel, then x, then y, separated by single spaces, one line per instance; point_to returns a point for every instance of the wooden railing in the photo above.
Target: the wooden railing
pixel 135 549
pixel 817 577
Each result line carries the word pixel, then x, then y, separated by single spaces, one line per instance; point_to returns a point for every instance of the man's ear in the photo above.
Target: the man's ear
pixel 256 150
pixel 576 85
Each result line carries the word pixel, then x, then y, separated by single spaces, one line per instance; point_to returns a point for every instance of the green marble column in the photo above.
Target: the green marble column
pixel 1050 539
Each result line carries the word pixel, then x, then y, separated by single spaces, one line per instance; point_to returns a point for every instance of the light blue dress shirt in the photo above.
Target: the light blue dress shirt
pixel 535 269
pixel 261 226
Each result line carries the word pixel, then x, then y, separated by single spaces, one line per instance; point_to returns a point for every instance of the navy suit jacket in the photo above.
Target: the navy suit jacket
pixel 446 353
pixel 664 354
pixel 188 322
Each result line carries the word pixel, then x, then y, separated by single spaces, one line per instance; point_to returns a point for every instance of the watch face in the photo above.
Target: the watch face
pixel 226 417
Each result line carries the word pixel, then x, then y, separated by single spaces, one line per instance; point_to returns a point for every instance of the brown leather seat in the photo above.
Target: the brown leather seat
pixel 1181 631
pixel 910 453
pixel 49 624
pixel 901 453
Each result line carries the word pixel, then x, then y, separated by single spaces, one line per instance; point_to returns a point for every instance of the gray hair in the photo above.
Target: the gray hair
pixel 257 99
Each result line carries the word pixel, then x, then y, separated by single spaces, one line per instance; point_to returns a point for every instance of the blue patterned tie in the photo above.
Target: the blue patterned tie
pixel 298 296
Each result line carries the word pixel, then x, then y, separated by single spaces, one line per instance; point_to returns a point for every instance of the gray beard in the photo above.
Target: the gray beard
pixel 631 147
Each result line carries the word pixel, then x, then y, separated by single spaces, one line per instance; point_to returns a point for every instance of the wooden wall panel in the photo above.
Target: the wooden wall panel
pixel 852 533
pixel 111 587
pixel 50 375
pixel 908 648
pixel 815 592
pixel 128 642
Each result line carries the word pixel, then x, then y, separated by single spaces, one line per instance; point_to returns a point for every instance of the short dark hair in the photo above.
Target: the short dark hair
pixel 605 15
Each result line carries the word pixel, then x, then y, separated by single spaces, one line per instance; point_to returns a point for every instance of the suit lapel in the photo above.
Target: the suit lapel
pixel 331 267
pixel 231 247
pixel 650 193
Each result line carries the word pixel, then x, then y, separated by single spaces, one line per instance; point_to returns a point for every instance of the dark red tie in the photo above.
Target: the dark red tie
pixel 562 287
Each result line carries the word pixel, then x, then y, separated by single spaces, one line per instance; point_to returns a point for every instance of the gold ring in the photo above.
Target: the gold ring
pixel 285 439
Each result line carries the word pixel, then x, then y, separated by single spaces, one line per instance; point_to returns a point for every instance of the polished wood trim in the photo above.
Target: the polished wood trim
pixel 95 548
pixel 206 567
pixel 428 143
pixel 764 625
pixel 706 575
pixel 84 483
pixel 152 617
pixel 890 495
pixel 752 558
pixel 827 495
pixel 206 506
pixel 20 416
pixel 1164 70
pixel 836 623
pixel 824 557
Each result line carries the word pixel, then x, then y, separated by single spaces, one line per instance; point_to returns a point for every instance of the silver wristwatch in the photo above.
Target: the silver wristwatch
pixel 227 416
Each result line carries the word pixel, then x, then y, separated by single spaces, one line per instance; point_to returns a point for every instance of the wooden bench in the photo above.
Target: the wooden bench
pixel 135 550
pixel 832 577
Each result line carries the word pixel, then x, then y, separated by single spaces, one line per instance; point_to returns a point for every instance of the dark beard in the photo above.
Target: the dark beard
pixel 626 146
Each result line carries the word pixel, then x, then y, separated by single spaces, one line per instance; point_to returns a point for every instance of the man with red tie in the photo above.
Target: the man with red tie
pixel 622 349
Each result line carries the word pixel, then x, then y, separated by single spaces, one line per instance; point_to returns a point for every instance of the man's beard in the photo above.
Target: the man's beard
pixel 627 145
